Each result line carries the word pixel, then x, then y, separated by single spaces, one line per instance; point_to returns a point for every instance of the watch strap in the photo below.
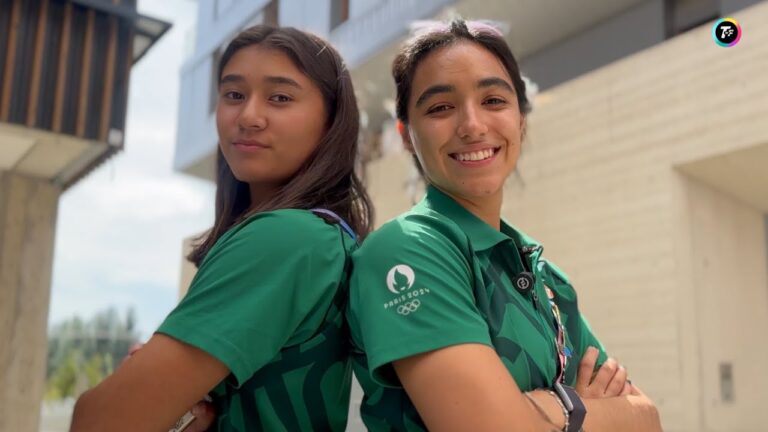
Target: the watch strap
pixel 573 403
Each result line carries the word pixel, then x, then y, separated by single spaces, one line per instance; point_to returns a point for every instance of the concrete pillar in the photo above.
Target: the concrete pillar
pixel 27 226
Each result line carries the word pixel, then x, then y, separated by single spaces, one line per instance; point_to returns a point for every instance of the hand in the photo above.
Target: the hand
pixel 204 417
pixel 203 411
pixel 610 381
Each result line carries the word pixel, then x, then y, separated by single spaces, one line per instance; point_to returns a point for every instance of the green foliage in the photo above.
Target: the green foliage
pixel 81 354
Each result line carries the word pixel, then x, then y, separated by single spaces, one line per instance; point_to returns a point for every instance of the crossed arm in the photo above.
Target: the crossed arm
pixel 150 390
pixel 467 387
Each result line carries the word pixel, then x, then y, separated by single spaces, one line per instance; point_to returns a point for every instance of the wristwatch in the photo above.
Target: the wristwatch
pixel 573 404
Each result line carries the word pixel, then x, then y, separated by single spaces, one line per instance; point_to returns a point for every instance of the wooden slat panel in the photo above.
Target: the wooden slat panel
pixel 62 69
pixel 34 91
pixel 46 101
pixel 109 80
pixel 85 74
pixel 5 103
pixel 124 58
pixel 22 64
pixel 74 65
pixel 5 32
pixel 96 81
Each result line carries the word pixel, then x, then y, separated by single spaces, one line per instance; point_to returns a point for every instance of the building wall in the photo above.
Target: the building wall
pixel 598 186
pixel 601 192
pixel 731 306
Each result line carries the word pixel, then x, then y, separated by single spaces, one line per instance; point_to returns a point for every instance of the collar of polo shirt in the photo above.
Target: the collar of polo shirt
pixel 482 235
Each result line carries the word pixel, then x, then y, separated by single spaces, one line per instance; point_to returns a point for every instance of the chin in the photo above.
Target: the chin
pixel 481 189
pixel 248 177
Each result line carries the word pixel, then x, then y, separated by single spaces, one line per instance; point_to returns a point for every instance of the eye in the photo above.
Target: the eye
pixel 438 108
pixel 233 95
pixel 280 98
pixel 494 101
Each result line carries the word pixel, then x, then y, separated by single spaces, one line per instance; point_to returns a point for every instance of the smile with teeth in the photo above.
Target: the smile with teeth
pixel 476 155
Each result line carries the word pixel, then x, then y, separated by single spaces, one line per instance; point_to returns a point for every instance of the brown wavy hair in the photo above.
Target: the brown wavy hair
pixel 328 177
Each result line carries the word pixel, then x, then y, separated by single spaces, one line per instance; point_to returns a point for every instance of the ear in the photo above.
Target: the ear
pixel 405 134
pixel 523 126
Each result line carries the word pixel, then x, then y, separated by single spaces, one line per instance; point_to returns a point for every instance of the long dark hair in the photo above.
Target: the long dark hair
pixel 327 179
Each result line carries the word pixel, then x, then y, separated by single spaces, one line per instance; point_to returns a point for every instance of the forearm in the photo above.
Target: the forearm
pixel 547 407
pixel 98 409
pixel 633 413
pixel 150 390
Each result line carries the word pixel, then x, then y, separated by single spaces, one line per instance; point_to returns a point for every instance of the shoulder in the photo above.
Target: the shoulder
pixel 422 229
pixel 285 226
pixel 279 232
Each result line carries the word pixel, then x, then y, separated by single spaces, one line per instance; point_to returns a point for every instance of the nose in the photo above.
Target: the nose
pixel 471 125
pixel 252 117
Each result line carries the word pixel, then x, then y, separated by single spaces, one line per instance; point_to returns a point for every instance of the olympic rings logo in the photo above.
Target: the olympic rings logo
pixel 408 308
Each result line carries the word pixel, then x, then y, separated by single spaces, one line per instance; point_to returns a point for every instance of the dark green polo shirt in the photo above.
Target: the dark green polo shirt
pixel 438 276
pixel 268 302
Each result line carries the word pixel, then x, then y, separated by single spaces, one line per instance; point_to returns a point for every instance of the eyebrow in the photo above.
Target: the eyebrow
pixel 495 82
pixel 270 79
pixel 433 90
pixel 231 79
pixel 447 88
pixel 282 80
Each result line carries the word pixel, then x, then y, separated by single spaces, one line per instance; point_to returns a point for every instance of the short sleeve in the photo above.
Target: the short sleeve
pixel 265 284
pixel 411 292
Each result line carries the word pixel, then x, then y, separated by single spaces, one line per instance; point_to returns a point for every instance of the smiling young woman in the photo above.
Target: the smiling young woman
pixel 474 329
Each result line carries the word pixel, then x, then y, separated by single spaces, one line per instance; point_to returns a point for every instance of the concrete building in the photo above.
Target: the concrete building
pixel 643 172
pixel 64 73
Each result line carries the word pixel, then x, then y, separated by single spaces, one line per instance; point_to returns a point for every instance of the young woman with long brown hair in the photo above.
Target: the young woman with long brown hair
pixel 261 329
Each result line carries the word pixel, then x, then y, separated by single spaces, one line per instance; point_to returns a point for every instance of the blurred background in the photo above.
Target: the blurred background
pixel 644 174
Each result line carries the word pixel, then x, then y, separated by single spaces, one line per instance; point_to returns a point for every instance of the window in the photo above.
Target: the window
pixel 339 12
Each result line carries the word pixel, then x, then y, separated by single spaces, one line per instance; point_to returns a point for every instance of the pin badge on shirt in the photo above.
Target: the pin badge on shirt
pixel 523 281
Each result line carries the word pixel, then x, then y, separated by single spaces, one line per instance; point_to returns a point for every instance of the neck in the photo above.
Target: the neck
pixel 260 193
pixel 487 209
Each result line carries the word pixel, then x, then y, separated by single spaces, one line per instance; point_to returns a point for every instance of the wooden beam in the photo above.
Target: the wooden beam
pixel 82 111
pixel 34 91
pixel 109 80
pixel 5 103
pixel 61 75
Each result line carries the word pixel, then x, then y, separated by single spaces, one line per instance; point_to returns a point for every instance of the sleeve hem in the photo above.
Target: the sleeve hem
pixel 220 349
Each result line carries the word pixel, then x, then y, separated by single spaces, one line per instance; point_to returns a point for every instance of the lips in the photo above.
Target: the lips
pixel 250 145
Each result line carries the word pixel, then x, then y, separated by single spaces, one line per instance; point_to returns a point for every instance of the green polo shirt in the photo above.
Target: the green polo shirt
pixel 438 276
pixel 268 302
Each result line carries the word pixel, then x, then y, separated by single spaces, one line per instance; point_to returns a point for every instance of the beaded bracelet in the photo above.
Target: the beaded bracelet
pixel 562 406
